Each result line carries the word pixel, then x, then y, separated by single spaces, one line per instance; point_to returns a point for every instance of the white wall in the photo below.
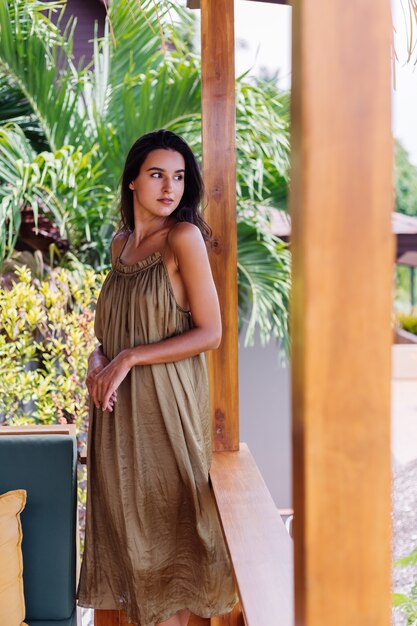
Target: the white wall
pixel 265 416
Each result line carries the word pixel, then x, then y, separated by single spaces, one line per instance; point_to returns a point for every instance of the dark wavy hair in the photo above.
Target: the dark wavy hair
pixel 188 208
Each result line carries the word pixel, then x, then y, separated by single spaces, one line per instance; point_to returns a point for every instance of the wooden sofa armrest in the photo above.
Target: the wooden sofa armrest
pixel 49 429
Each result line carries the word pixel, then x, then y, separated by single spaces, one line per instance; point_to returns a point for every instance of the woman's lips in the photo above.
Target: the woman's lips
pixel 165 201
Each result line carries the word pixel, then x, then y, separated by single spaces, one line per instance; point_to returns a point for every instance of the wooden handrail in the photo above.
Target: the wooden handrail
pixel 260 548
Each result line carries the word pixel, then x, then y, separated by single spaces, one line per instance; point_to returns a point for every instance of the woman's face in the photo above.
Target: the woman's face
pixel 159 186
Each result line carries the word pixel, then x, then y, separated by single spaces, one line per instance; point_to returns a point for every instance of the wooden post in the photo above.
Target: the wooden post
pixel 219 171
pixel 343 254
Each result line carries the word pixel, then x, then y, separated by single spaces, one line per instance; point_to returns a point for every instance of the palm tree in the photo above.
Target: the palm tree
pixel 65 131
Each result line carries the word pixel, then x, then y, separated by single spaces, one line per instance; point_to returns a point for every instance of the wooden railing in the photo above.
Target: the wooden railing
pixel 259 545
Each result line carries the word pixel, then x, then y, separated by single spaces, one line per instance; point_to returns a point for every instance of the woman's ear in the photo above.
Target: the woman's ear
pixel 131 185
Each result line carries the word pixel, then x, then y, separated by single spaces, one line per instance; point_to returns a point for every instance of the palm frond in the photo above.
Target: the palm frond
pixel 36 58
pixel 264 284
pixel 14 146
pixel 262 143
pixel 66 185
pixel 137 35
pixel 15 108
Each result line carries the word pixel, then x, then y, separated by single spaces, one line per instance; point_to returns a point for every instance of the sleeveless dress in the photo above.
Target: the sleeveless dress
pixel 153 542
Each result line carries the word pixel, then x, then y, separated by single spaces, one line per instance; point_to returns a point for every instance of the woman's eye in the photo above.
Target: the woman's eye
pixel 159 175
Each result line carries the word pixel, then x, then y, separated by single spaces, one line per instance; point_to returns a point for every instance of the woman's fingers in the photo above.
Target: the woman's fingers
pixel 105 383
pixel 103 395
pixel 96 364
pixel 112 401
pixel 110 378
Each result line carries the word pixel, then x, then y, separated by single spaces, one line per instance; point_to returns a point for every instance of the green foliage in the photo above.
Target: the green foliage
pixel 408 605
pixel 46 335
pixel 262 143
pixel 403 287
pixel 15 109
pixel 405 182
pixel 408 322
pixel 410 559
pixel 407 602
pixel 264 287
pixel 36 59
pixel 66 186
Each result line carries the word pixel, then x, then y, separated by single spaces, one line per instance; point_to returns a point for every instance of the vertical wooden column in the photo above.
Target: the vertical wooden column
pixel 341 202
pixel 219 170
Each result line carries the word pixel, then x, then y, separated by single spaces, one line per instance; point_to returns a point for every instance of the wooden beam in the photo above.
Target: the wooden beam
pixel 219 172
pixel 343 254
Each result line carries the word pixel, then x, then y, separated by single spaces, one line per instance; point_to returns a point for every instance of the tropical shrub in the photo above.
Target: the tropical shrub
pixel 46 335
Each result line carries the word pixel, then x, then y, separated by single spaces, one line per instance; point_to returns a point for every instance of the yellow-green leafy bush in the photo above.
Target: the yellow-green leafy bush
pixel 408 322
pixel 46 335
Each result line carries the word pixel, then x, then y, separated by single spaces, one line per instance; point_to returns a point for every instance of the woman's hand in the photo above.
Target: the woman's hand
pixel 108 379
pixel 97 359
pixel 96 363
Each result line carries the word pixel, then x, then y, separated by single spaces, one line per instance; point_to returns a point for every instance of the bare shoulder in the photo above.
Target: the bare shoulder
pixel 185 236
pixel 118 242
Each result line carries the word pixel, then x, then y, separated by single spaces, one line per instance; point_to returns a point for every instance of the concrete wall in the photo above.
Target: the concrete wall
pixel 265 416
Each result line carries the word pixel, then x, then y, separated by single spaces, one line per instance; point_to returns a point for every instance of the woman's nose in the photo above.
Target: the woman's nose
pixel 167 186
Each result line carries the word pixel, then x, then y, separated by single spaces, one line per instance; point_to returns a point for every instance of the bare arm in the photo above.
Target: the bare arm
pixel 193 264
pixel 190 251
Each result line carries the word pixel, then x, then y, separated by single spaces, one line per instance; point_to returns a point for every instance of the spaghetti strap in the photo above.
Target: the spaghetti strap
pixel 117 258
pixel 123 247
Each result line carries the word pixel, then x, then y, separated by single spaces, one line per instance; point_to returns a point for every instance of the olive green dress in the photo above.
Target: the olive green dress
pixel 153 543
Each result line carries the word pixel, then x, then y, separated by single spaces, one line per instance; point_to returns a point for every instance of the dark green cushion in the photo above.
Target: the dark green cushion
pixel 45 465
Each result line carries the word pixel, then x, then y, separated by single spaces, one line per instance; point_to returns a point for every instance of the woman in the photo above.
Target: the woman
pixel 153 542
